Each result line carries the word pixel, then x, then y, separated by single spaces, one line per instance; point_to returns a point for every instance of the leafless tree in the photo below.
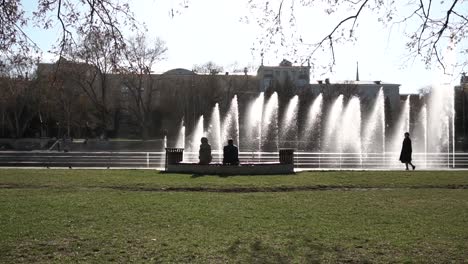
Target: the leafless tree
pixel 62 101
pixel 141 56
pixel 93 61
pixel 102 21
pixel 437 24
pixel 208 68
pixel 74 17
pixel 238 69
pixel 19 98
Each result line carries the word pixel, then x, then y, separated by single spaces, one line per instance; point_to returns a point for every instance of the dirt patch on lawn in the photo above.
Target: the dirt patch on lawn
pixel 278 188
pixel 239 189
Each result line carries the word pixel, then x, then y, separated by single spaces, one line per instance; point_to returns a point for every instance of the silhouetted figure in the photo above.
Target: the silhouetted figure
pixel 204 154
pixel 230 154
pixel 406 151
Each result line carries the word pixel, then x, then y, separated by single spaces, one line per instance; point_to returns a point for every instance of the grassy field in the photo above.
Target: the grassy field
pixel 57 216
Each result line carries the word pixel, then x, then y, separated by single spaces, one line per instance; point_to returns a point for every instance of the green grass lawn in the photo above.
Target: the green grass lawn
pixel 149 217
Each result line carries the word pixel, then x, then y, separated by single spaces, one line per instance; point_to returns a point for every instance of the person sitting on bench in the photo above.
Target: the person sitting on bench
pixel 204 154
pixel 230 154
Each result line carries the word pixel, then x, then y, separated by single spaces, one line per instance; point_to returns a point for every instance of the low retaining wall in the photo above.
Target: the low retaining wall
pixel 243 169
pixel 81 145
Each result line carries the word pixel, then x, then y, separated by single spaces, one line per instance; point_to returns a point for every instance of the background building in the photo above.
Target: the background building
pixel 81 101
pixel 284 73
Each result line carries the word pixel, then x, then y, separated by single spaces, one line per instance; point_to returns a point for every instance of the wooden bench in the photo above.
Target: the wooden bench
pixel 285 165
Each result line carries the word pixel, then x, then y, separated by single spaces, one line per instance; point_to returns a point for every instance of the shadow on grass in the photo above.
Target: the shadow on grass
pixel 196 175
pixel 302 250
pixel 237 175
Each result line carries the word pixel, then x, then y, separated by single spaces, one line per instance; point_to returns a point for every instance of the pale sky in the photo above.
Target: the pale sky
pixel 210 30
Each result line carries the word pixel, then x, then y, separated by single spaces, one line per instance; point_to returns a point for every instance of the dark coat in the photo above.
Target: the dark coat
pixel 205 154
pixel 406 150
pixel 231 155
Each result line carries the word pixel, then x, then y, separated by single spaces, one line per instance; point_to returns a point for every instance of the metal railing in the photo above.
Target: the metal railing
pixel 302 160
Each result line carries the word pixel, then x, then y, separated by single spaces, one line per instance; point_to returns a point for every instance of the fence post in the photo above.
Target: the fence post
pixel 147 159
pixel 320 160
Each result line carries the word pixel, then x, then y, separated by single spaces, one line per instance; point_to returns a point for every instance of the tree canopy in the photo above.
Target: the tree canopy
pixel 431 26
pixel 74 17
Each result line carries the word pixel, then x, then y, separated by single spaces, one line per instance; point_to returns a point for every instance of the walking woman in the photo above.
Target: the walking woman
pixel 406 151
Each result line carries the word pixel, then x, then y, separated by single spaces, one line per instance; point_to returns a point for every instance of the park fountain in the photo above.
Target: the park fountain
pixel 375 127
pixel 350 128
pixel 419 134
pixel 441 109
pixel 402 126
pixel 288 129
pixel 270 122
pixel 346 134
pixel 254 126
pixel 332 139
pixel 336 125
pixel 164 146
pixel 214 130
pixel 198 133
pixel 230 128
pixel 313 118
pixel 440 121
pixel 424 125
pixel 180 143
pixel 452 117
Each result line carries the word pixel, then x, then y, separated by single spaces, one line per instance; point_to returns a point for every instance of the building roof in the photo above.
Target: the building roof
pixel 285 63
pixel 179 71
pixel 351 82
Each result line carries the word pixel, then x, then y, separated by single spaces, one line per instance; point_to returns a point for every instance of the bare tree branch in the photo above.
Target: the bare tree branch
pixel 426 15
pixel 439 34
pixel 427 27
pixel 330 35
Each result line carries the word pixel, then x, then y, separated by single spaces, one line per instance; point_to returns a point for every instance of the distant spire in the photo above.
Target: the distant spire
pixel 357 71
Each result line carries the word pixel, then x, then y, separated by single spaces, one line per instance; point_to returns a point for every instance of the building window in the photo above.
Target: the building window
pixel 124 90
pixel 267 83
pixel 301 83
pixel 303 76
pixel 157 98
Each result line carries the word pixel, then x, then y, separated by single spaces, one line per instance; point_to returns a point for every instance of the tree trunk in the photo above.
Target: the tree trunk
pixel 144 132
pixel 68 123
pixel 17 127
pixel 3 124
pixel 144 128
